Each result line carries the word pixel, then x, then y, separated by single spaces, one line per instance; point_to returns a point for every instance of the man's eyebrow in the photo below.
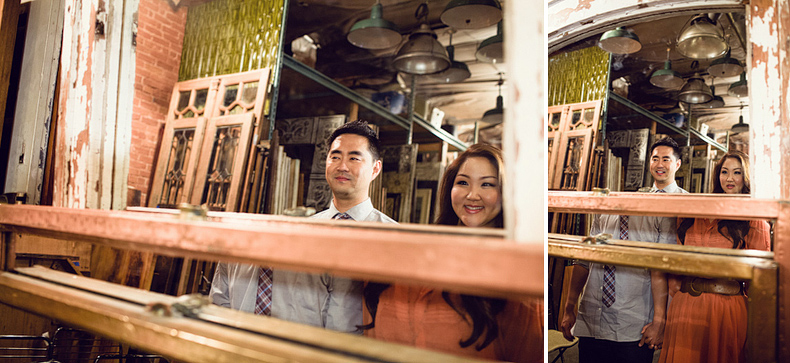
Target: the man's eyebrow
pixel 355 152
pixel 335 151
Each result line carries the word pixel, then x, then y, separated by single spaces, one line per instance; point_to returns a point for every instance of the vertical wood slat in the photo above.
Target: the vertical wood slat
pixel 523 137
pixel 9 17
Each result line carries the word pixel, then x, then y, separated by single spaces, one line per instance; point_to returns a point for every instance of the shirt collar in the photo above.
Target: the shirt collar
pixel 671 188
pixel 359 212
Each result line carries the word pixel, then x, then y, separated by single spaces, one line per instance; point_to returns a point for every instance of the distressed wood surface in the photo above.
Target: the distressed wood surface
pixel 33 115
pixel 666 205
pixel 215 335
pixel 437 256
pixel 523 136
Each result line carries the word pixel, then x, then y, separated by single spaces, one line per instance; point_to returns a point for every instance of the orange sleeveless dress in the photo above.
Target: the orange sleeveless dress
pixel 710 327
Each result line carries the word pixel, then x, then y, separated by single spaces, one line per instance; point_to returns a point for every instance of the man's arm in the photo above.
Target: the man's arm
pixel 220 292
pixel 578 279
pixel 653 332
pixel 343 309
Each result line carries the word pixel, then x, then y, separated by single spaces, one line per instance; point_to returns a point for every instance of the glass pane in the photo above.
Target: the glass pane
pixel 589 115
pixel 189 114
pixel 183 100
pixel 220 173
pixel 555 119
pixel 200 99
pixel 577 116
pixel 175 174
pixel 573 163
pixel 250 92
pixel 236 110
pixel 230 95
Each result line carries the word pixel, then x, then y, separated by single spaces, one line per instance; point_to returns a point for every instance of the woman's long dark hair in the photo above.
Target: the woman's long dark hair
pixel 483 311
pixel 736 230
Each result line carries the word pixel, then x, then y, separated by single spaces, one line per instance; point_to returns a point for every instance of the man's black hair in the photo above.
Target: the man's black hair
pixel 667 141
pixel 360 128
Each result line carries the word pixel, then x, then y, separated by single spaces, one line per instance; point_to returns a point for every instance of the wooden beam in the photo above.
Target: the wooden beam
pixel 9 17
pixel 665 205
pixel 211 334
pixel 436 256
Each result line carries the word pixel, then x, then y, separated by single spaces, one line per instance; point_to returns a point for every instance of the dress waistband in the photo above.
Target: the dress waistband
pixel 697 285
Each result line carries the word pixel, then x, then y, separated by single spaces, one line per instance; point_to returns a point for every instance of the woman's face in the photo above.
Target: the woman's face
pixel 477 194
pixel 731 176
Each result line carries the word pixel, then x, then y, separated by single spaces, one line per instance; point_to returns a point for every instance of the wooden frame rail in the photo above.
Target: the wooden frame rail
pixel 169 326
pixel 757 267
pixel 665 205
pixel 434 256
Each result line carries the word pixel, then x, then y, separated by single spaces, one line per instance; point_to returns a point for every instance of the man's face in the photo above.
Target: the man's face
pixel 663 165
pixel 350 167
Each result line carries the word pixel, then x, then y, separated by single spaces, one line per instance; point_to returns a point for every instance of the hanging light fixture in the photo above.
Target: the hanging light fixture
pixel 666 77
pixel 490 50
pixel 494 115
pixel 374 32
pixel 725 67
pixel 740 126
pixel 620 41
pixel 716 102
pixel 422 53
pixel 471 14
pixel 702 38
pixel 740 88
pixel 695 91
pixel 457 72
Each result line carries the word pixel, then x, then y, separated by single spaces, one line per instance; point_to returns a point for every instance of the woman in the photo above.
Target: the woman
pixel 470 195
pixel 703 326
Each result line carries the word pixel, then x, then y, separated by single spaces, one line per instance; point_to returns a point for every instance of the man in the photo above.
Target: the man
pixel 352 163
pixel 623 310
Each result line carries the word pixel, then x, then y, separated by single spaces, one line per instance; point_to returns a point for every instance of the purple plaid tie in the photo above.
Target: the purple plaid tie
pixel 342 216
pixel 263 300
pixel 608 275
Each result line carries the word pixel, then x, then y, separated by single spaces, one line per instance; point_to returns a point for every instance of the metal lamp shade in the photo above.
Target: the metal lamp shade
pixel 666 77
pixel 421 54
pixel 374 32
pixel 740 126
pixel 457 72
pixel 695 91
pixel 490 50
pixel 471 14
pixel 620 41
pixel 740 88
pixel 725 67
pixel 494 115
pixel 716 102
pixel 702 39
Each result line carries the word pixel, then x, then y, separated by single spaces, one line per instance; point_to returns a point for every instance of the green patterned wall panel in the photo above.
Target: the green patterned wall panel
pixel 230 36
pixel 578 76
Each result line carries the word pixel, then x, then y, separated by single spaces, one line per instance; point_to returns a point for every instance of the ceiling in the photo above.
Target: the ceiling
pixel 370 71
pixel 634 71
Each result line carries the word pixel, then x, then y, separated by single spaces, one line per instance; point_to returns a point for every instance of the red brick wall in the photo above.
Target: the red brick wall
pixel 160 36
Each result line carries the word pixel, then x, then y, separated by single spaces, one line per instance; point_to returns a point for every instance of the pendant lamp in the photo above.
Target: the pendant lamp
pixel 471 14
pixel 666 77
pixel 740 88
pixel 422 53
pixel 494 115
pixel 620 41
pixel 490 50
pixel 374 32
pixel 695 91
pixel 457 72
pixel 701 38
pixel 716 102
pixel 725 67
pixel 740 126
